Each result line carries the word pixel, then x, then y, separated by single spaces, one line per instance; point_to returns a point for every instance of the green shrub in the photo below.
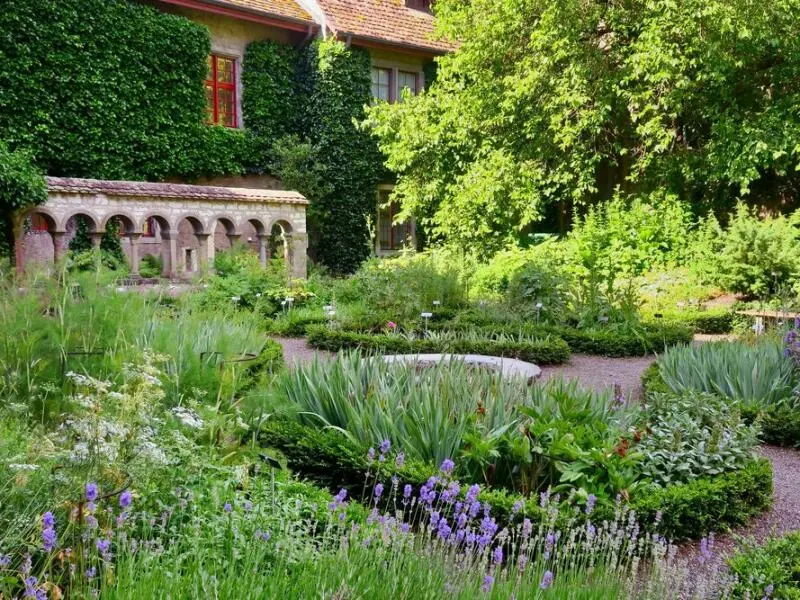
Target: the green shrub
pixel 690 510
pixel 151 266
pixel 759 255
pixel 547 350
pixel 711 321
pixel 652 382
pixel 768 571
pixel 21 185
pixel 757 374
pixel 780 425
pixel 683 511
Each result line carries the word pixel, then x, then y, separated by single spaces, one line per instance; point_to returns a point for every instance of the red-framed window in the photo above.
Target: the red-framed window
pixel 39 223
pixel 221 91
pixel 149 229
pixel 391 236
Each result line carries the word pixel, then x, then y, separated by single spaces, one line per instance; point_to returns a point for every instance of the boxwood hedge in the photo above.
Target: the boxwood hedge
pixel 775 565
pixel 684 511
pixel 546 350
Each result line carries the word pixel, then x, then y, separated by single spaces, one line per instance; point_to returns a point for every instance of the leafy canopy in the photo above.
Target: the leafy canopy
pixel 548 100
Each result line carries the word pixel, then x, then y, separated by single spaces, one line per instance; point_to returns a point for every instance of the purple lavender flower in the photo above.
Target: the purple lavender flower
pixel 103 545
pixel 590 502
pixel 435 518
pixel 472 493
pixel 405 527
pixel 517 507
pixel 400 460
pixel 91 573
pixel 385 446
pixel 619 397
pixel 407 491
pixel 30 586
pixel 474 509
pixel 447 466
pixel 91 492
pixel 768 591
pixel 523 561
pixel 486 586
pixel 497 555
pixel 444 530
pixel 547 580
pixel 48 539
pixel 527 527
pixel 371 455
pixel 5 560
pixel 378 491
pixel 544 498
pixel 227 507
pixel 48 520
pixel 125 499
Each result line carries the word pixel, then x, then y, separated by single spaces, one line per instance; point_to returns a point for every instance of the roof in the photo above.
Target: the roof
pixel 171 191
pixel 384 21
pixel 285 13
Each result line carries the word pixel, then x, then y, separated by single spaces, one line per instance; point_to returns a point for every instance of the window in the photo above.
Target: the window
pixel 221 91
pixel 406 80
pixel 39 223
pixel 149 229
pixel 391 236
pixel 420 4
pixel 381 84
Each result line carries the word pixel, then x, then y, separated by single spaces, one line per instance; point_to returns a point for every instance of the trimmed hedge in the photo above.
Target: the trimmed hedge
pixel 689 510
pixel 776 564
pixel 711 321
pixel 611 342
pixel 549 350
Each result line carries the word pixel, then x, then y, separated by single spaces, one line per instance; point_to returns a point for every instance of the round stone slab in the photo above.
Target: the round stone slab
pixel 509 367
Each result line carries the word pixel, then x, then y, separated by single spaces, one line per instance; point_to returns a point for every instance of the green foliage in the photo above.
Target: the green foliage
pixel 689 510
pixel 652 382
pixel 21 184
pixel 711 321
pixel 539 105
pixel 111 243
pixel 335 85
pixel 75 84
pixel 774 565
pixel 780 425
pixel 151 266
pixel 692 436
pixel 755 375
pixel 269 100
pixel 759 255
pixel 544 350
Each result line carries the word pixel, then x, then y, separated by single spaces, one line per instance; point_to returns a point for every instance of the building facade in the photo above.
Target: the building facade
pixel 185 226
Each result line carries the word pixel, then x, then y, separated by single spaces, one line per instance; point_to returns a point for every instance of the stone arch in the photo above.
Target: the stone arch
pixel 162 221
pixel 192 244
pixel 128 224
pixel 227 236
pixel 93 221
pixel 48 215
pixel 161 243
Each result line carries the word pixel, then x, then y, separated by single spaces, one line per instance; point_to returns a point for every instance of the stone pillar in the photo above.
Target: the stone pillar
pixel 19 245
pixel 58 245
pixel 170 256
pixel 297 250
pixel 263 249
pixel 133 238
pixel 97 237
pixel 205 250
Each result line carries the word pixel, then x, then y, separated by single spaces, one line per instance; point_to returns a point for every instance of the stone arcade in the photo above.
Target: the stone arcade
pixel 184 224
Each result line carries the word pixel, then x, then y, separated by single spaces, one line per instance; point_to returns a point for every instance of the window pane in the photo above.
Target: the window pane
pixel 224 70
pixel 406 80
pixel 380 83
pixel 210 103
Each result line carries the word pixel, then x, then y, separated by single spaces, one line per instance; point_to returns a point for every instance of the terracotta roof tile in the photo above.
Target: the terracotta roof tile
pixel 174 191
pixel 387 21
pixel 280 8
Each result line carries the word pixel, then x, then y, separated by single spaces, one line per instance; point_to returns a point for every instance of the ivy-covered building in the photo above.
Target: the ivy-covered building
pixel 255 94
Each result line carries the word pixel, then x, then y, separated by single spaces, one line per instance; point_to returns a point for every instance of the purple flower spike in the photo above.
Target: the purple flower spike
pixel 517 507
pixel 371 454
pixel 378 491
pixel 48 520
pixel 400 460
pixel 488 581
pixel 385 446
pixel 5 561
pixel 407 491
pixel 48 539
pixel 590 502
pixel 125 499
pixel 227 508
pixel 91 492
pixel 497 555
pixel 447 466
pixel 547 580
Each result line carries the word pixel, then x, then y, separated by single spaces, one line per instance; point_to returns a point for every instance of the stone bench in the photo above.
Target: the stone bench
pixel 509 367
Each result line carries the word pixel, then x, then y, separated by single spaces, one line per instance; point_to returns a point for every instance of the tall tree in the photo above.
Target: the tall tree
pixel 574 100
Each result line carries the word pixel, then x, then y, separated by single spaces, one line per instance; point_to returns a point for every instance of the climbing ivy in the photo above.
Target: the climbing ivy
pixel 109 89
pixel 334 86
pixel 21 184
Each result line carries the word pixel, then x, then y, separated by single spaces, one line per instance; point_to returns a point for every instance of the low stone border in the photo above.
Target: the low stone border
pixel 509 367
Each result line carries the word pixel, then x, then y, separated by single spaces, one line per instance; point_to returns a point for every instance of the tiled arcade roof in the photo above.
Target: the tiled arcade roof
pixel 172 191
pixel 384 21
pixel 280 8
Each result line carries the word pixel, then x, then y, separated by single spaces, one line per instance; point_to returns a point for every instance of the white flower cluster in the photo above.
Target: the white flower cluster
pixel 188 417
